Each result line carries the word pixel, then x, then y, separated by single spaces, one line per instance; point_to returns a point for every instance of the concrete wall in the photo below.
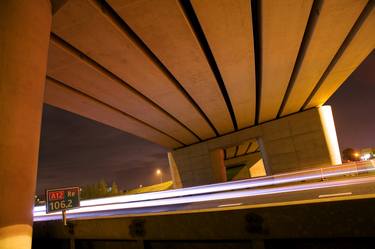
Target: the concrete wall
pixel 198 166
pixel 303 140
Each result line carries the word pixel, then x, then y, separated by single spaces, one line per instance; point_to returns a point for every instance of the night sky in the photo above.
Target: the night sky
pixel 353 106
pixel 78 151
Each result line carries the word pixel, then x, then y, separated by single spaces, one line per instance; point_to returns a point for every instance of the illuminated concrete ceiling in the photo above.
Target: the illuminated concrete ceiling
pixel 181 72
pixel 246 148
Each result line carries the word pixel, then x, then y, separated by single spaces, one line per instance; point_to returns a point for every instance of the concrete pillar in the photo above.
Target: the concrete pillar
pixel 299 141
pixel 174 171
pixel 197 167
pixel 24 31
pixel 219 173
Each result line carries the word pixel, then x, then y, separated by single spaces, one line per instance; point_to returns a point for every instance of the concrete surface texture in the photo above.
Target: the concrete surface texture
pixel 299 141
pixel 322 46
pixel 359 44
pixel 282 27
pixel 257 169
pixel 180 72
pixel 251 158
pixel 167 32
pixel 224 24
pixel 202 76
pixel 24 31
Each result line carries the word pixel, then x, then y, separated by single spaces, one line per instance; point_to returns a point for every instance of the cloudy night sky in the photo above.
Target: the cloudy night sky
pixel 78 151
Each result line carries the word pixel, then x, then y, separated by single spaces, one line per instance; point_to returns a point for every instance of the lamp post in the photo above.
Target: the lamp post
pixel 159 173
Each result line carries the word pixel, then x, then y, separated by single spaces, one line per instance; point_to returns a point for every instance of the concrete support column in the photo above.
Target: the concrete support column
pixel 300 141
pixel 174 171
pixel 24 31
pixel 219 173
pixel 198 167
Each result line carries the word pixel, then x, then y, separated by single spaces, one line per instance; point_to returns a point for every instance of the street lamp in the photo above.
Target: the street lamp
pixel 159 173
pixel 356 154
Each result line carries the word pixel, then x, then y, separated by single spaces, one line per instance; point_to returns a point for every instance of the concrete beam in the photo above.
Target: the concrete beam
pixel 68 99
pixel 101 36
pixel 166 31
pixel 360 44
pixel 242 148
pixel 322 47
pixel 231 152
pixel 228 28
pixel 244 159
pixel 65 65
pixel 283 24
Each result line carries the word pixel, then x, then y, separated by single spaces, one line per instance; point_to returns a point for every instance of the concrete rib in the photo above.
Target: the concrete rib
pixel 67 99
pixel 283 23
pixel 86 27
pixel 339 15
pixel 228 28
pixel 242 148
pixel 165 30
pixel 69 68
pixel 361 45
pixel 230 152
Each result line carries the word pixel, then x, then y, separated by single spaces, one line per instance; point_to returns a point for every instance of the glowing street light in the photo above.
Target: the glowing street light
pixel 159 173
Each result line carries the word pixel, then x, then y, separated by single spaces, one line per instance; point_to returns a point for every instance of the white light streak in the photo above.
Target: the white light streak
pixel 220 190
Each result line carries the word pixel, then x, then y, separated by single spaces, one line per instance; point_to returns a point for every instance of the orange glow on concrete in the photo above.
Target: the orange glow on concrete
pixel 15 236
pixel 258 169
pixel 329 130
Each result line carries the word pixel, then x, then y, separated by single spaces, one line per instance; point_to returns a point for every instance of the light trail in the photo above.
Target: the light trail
pixel 230 205
pixel 286 178
pixel 101 210
pixel 292 177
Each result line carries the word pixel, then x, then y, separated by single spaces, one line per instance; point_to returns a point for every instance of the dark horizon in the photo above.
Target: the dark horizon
pixel 77 151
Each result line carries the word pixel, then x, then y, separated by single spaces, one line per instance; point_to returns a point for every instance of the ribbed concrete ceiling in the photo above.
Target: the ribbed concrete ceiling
pixel 181 72
pixel 245 148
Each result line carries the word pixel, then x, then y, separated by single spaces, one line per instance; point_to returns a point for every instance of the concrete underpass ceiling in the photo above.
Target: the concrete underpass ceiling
pixel 245 148
pixel 180 72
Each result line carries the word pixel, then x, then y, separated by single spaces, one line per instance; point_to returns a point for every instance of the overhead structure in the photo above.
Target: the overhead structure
pixel 203 78
pixel 189 71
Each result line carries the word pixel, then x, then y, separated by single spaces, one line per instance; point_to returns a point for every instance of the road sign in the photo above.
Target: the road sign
pixel 62 199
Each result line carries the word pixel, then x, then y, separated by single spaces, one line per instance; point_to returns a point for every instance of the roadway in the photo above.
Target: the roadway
pixel 338 188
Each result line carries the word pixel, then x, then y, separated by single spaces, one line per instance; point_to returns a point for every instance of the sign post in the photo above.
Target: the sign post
pixel 61 200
